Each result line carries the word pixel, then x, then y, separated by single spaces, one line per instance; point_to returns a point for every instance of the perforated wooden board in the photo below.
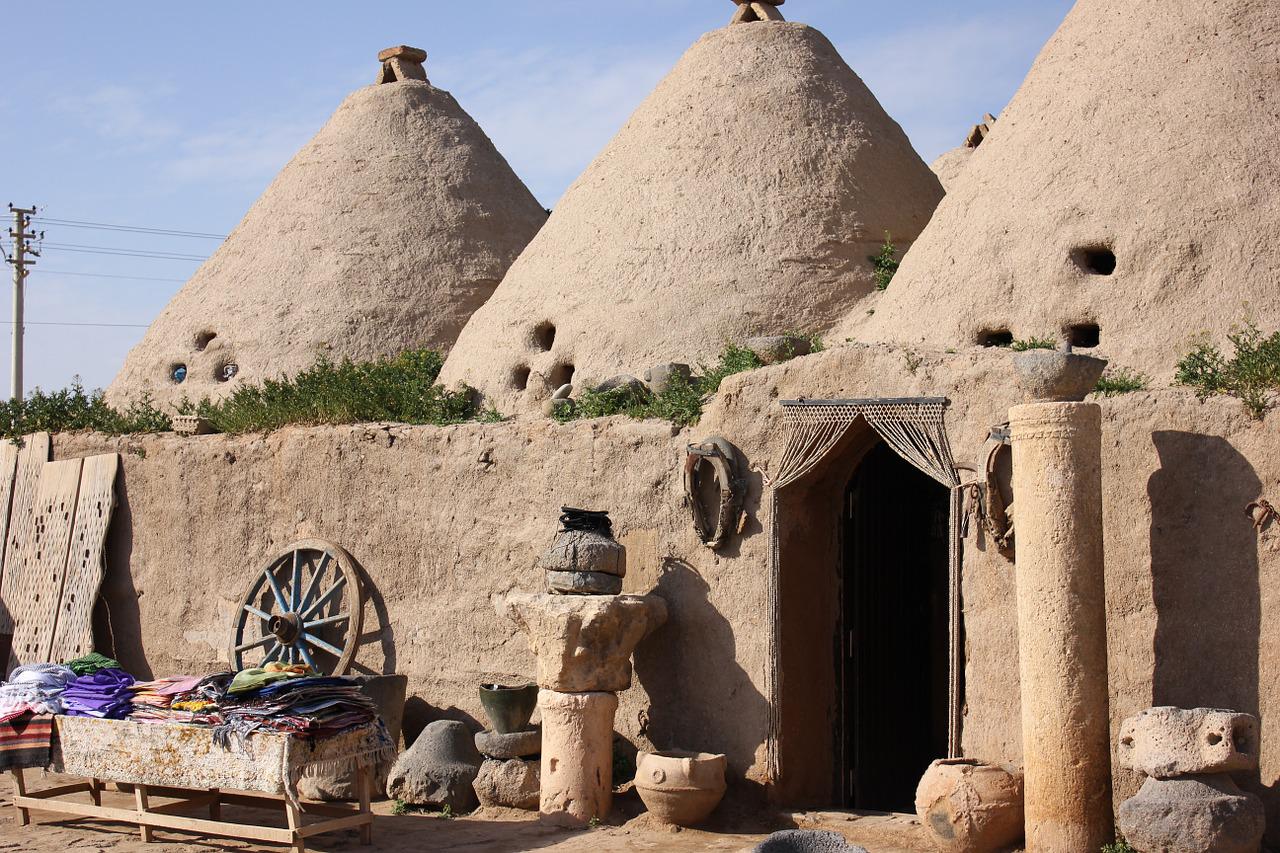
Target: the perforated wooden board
pixel 44 560
pixel 73 630
pixel 30 462
pixel 8 466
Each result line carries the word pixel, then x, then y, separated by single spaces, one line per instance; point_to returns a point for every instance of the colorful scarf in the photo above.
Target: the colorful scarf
pixel 26 741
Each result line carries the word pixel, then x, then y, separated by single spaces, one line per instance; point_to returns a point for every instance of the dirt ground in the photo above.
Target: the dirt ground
pixel 486 831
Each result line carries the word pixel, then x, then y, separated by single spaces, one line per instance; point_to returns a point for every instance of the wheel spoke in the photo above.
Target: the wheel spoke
pixel 264 616
pixel 306 655
pixel 315 581
pixel 297 581
pixel 322 600
pixel 321 644
pixel 328 620
pixel 272 654
pixel 275 590
pixel 260 642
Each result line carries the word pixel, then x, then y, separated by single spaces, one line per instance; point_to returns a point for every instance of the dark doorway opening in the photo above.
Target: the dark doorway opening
pixel 893 660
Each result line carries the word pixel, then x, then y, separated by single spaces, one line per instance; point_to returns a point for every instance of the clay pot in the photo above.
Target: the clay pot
pixel 970 806
pixel 682 788
pixel 509 709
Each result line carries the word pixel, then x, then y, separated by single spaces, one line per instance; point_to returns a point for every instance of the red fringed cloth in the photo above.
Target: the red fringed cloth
pixel 26 741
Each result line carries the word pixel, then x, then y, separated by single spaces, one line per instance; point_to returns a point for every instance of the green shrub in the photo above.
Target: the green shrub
pixel 1033 343
pixel 1119 846
pixel 885 264
pixel 1252 373
pixel 1121 381
pixel 72 409
pixel 681 403
pixel 400 389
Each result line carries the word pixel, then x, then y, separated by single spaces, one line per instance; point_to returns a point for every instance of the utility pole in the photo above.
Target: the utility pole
pixel 21 263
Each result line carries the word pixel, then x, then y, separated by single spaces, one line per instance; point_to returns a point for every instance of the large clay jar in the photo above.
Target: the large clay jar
pixel 682 788
pixel 509 709
pixel 970 806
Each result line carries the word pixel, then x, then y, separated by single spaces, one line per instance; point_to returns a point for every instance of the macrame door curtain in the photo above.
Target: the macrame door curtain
pixel 914 427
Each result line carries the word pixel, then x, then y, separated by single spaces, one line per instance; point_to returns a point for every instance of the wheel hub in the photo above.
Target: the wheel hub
pixel 287 628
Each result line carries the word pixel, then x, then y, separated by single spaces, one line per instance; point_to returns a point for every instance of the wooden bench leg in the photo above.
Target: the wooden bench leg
pixel 95 791
pixel 295 823
pixel 363 783
pixel 215 806
pixel 143 803
pixel 20 790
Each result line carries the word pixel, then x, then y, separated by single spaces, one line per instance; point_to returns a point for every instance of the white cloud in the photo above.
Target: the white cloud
pixel 125 115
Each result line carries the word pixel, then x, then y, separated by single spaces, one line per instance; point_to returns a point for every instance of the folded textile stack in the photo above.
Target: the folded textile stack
pixel 91 663
pixel 309 707
pixel 35 688
pixel 152 700
pixel 105 693
pixel 201 701
pixel 255 677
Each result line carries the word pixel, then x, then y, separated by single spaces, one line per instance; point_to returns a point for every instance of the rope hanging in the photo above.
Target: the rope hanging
pixel 916 430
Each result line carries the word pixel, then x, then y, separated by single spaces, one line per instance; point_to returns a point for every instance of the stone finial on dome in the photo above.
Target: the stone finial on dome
pixel 402 63
pixel 757 10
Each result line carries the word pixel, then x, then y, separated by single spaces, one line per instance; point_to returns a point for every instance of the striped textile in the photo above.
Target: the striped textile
pixel 26 741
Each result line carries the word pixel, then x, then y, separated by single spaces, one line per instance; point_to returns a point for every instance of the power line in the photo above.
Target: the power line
pixel 137 229
pixel 101 325
pixel 47 271
pixel 127 253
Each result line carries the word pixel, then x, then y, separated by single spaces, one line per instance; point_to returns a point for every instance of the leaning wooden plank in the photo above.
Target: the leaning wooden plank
pixel 73 629
pixel 31 459
pixel 8 467
pixel 44 561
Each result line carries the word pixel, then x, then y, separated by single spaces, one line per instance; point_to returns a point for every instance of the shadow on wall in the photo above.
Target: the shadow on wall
pixel 701 699
pixel 117 622
pixel 1204 573
pixel 381 631
pixel 419 713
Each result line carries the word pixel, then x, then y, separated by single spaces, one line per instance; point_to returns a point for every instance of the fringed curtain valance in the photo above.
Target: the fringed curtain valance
pixel 914 427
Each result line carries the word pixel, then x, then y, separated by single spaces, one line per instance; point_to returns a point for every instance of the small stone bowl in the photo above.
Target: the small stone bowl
pixel 1052 376
pixel 509 709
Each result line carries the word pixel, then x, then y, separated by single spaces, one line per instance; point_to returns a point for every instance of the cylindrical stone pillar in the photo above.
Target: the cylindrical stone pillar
pixel 577 753
pixel 1062 630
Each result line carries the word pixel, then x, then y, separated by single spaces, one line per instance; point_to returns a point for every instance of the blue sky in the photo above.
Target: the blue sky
pixel 177 115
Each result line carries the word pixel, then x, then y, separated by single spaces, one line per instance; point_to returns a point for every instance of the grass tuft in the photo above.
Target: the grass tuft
pixel 1121 381
pixel 681 403
pixel 1033 343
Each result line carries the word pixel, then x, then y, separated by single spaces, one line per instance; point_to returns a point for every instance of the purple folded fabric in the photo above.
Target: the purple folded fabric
pixel 104 694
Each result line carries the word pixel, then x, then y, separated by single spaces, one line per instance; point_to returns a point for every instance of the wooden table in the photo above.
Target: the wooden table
pixel 183 766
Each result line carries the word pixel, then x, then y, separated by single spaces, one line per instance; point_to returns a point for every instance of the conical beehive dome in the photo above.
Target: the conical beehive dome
pixel 744 196
pixel 385 232
pixel 1126 198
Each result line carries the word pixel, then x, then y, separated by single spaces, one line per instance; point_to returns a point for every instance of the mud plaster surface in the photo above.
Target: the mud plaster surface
pixel 443 518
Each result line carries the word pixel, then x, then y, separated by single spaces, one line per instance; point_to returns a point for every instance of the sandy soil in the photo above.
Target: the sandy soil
pixel 486 831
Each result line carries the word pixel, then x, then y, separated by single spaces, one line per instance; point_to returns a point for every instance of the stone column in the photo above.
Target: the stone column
pixel 584 645
pixel 1062 631
pixel 577 753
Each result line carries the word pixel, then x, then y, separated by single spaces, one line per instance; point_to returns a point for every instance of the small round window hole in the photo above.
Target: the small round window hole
pixel 177 373
pixel 520 377
pixel 204 339
pixel 995 338
pixel 1095 260
pixel 544 335
pixel 226 371
pixel 561 374
pixel 1084 335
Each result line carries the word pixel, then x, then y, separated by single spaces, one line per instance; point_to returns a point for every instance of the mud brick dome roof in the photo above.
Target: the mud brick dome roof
pixel 744 196
pixel 385 232
pixel 1125 198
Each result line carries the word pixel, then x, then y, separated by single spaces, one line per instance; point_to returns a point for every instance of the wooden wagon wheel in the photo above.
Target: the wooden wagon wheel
pixel 306 606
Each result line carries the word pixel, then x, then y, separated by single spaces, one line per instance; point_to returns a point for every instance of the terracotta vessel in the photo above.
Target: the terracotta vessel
pixel 509 709
pixel 682 788
pixel 970 806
